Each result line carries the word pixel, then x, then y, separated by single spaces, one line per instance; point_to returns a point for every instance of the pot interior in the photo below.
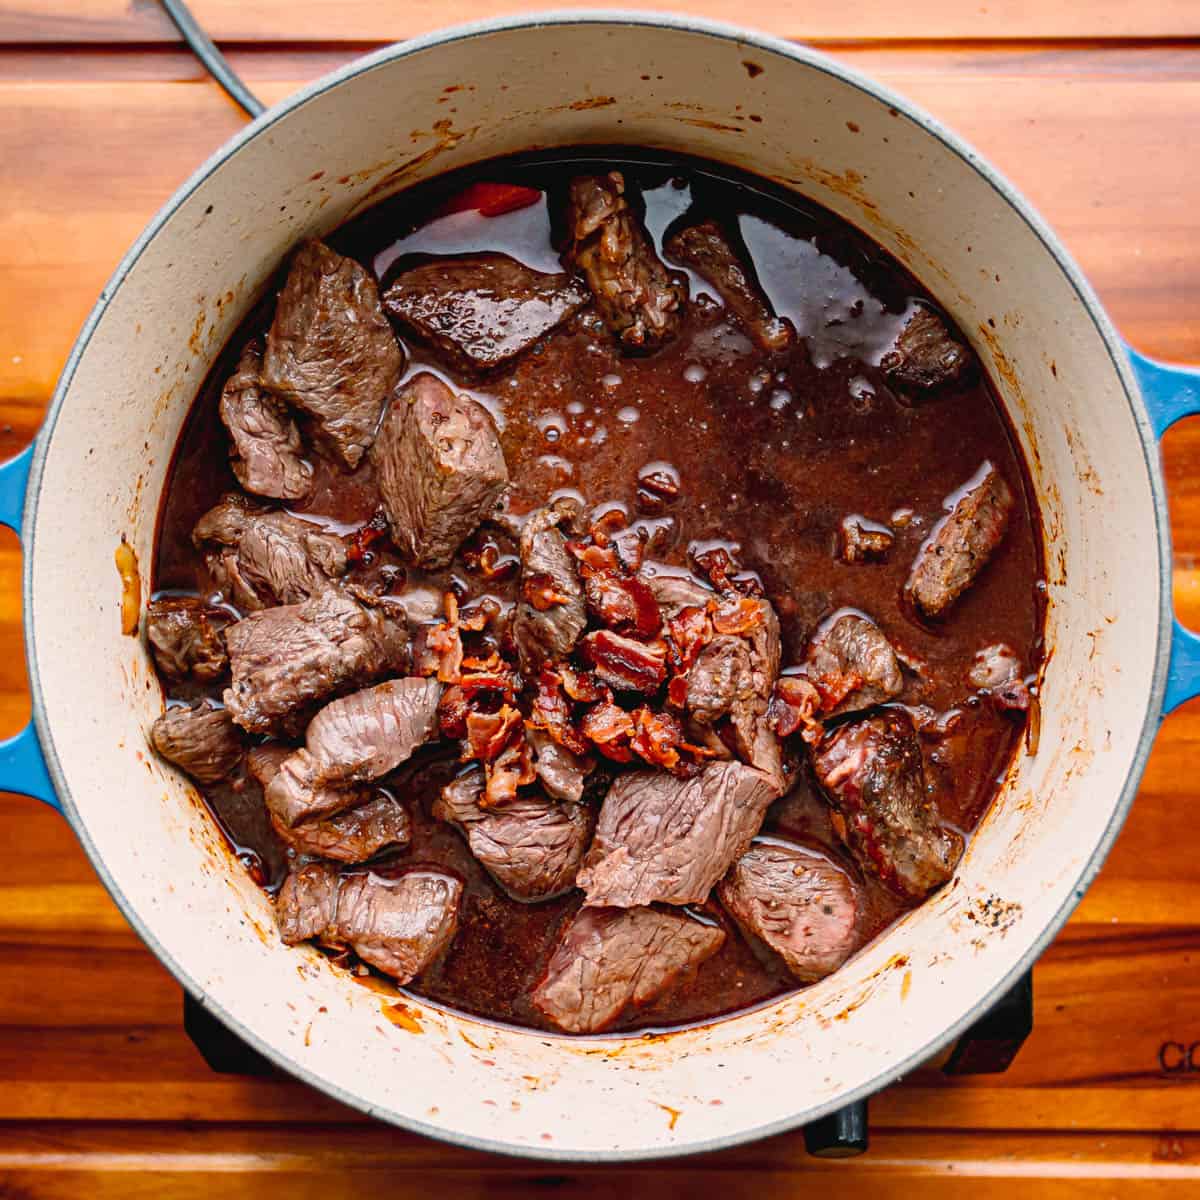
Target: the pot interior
pixel 400 118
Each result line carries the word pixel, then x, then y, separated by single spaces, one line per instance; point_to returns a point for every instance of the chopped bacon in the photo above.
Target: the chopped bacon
pixel 623 602
pixel 610 728
pixel 361 541
pixel 718 565
pixel 491 199
pixel 538 588
pixel 513 768
pixel 625 664
pixel 581 686
pixel 737 614
pixel 591 557
pixel 690 630
pixel 489 733
pixel 794 706
pixel 552 712
pixel 453 708
pixel 677 692
pixel 443 641
pixel 660 482
pixel 483 554
pixel 479 615
pixel 658 738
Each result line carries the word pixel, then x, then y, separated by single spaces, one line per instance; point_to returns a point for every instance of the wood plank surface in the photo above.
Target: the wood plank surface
pixel 1093 109
pixel 107 21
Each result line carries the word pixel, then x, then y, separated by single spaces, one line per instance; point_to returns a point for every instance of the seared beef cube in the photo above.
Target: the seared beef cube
pixel 185 638
pixel 674 593
pixel 927 356
pixel 371 732
pixel 331 352
pixel 307 903
pixel 754 739
pixel 706 249
pixel 860 540
pixel 531 847
pixel 265 450
pixel 399 925
pixel 663 838
pixel 561 771
pixel 874 777
pixel 637 297
pixel 259 558
pixel 551 613
pixel 852 665
pixel 296 795
pixel 961 544
pixel 285 661
pixel 352 836
pixel 202 740
pixel 718 678
pixel 441 469
pixel 609 959
pixel 796 901
pixel 482 310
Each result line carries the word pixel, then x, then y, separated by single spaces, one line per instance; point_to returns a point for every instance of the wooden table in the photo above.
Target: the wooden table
pixel 1092 107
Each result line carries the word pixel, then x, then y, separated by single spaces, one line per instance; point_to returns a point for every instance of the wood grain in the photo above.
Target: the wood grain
pixel 108 21
pixel 101 1093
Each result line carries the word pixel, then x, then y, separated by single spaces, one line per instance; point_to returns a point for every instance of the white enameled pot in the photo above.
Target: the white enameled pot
pixel 388 121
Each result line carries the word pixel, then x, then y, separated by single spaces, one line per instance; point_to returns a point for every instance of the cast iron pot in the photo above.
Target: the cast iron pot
pixel 1087 411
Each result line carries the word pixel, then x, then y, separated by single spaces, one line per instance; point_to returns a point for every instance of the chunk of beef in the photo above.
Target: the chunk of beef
pixel 754 739
pixel 482 310
pixel 531 847
pixel 185 638
pixel 352 836
pixel 860 540
pixel 561 771
pixel 265 450
pixel 330 351
pixel 441 469
pixel 927 356
pixel 259 558
pixel 371 732
pixel 796 901
pixel 961 544
pixel 874 776
pixel 551 613
pixel 285 661
pixel 608 959
pixel 851 664
pixel 720 676
pixel 296 795
pixel 663 838
pixel 201 740
pixel 399 925
pixel 674 593
pixel 707 250
pixel 636 296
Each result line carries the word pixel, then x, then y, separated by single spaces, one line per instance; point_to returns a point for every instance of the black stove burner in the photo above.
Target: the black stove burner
pixel 987 1048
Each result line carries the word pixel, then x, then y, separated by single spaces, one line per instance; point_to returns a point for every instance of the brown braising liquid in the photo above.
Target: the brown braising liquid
pixel 772 452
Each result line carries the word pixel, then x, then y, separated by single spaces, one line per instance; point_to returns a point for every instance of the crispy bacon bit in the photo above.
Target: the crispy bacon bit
pixel 478 616
pixel 581 686
pixel 494 565
pixel 623 602
pixel 610 728
pixel 690 630
pixel 677 692
pixel 361 541
pixel 737 614
pixel 552 712
pixel 538 589
pixel 659 481
pixel 591 557
pixel 793 707
pixel 625 664
pixel 443 641
pixel 718 565
pixel 512 769
pixel 605 525
pixel 657 739
pixel 453 708
pixel 489 733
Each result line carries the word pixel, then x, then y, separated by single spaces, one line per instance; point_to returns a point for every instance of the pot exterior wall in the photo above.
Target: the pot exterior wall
pixel 446 102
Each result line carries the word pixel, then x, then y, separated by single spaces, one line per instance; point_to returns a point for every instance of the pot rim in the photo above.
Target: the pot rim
pixel 1005 192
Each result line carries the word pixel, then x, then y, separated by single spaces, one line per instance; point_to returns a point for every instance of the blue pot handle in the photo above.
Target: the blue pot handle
pixel 1171 393
pixel 22 767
